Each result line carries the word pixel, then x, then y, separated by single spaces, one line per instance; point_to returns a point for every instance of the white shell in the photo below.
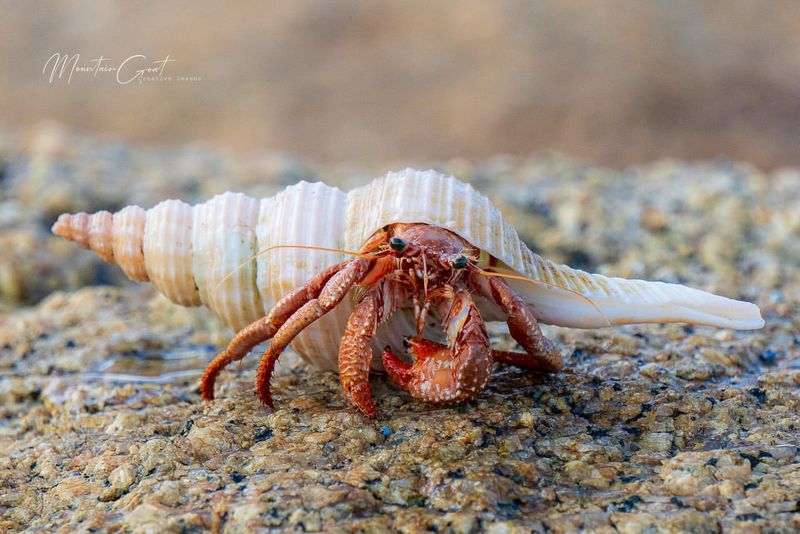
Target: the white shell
pixel 187 252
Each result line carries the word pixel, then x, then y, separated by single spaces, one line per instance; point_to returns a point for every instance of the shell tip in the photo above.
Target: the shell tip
pixel 751 318
pixel 61 227
pixel 759 323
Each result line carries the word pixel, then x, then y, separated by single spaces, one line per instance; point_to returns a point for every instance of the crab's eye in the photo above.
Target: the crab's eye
pixel 397 244
pixel 459 263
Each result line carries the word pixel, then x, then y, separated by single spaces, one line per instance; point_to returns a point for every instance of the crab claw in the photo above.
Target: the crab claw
pixel 425 353
pixel 399 371
pixel 437 374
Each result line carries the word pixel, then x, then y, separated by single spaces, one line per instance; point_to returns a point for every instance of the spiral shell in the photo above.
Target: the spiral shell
pixel 187 251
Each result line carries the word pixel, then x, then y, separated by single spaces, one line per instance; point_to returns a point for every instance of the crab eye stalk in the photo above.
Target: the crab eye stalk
pixel 397 244
pixel 459 263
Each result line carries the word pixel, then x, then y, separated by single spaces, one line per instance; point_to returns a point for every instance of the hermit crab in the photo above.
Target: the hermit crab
pixel 342 276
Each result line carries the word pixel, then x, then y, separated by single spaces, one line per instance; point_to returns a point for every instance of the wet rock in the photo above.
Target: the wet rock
pixel 157 455
pixel 209 441
pixel 146 518
pixel 656 441
pixel 119 480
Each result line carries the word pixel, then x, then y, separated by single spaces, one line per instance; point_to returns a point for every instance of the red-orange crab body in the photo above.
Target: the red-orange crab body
pixel 451 236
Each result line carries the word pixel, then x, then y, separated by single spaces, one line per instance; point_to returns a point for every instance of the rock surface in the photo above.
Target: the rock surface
pixel 669 428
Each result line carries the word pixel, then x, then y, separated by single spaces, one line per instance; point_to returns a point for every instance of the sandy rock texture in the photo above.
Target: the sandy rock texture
pixel 650 429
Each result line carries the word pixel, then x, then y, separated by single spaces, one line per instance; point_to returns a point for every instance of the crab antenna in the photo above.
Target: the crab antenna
pixel 548 285
pixel 274 247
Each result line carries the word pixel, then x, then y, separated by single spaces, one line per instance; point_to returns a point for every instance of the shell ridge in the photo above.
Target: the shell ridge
pixel 450 202
pixel 265 209
pixel 101 235
pixel 231 309
pixel 131 243
pixel 435 207
pixel 486 228
pixel 196 248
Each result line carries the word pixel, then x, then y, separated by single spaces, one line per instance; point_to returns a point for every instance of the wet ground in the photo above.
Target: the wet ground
pixel 651 428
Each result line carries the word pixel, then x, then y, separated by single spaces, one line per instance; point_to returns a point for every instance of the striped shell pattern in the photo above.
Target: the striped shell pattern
pixel 187 251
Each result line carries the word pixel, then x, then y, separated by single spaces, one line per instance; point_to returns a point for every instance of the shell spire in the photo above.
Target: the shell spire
pixel 152 245
pixel 116 238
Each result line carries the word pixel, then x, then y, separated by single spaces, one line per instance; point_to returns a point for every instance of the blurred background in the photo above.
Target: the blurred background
pixel 615 82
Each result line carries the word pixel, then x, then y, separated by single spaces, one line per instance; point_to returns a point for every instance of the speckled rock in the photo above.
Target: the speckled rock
pixel 652 428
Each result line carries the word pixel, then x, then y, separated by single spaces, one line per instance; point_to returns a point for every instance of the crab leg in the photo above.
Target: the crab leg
pixel 355 353
pixel 540 352
pixel 261 330
pixel 447 375
pixel 334 291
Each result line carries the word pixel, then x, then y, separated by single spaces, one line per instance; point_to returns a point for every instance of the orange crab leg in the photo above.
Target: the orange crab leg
pixel 264 328
pixel 355 353
pixel 333 293
pixel 541 353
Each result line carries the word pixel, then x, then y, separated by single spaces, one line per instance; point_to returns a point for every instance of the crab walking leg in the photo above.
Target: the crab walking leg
pixel 333 293
pixel 355 353
pixel 541 353
pixel 447 375
pixel 262 329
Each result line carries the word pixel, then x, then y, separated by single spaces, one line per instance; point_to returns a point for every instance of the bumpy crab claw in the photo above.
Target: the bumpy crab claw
pixel 447 374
